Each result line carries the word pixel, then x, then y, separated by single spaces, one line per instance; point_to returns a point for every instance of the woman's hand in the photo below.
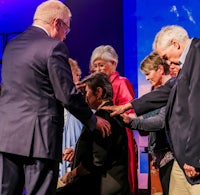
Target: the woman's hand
pixel 68 154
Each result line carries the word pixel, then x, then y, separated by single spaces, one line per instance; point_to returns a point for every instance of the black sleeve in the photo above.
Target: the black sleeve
pixel 154 99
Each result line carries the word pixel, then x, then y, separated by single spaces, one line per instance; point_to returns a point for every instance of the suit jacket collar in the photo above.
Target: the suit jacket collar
pixel 42 28
pixel 38 29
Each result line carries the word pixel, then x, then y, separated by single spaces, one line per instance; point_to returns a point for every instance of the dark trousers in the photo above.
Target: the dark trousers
pixel 165 173
pixel 38 176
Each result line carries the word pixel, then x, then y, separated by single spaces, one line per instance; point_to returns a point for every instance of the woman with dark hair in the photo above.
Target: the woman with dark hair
pixel 100 165
pixel 105 59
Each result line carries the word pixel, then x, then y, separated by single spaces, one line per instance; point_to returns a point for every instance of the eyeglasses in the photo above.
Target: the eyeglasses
pixel 68 29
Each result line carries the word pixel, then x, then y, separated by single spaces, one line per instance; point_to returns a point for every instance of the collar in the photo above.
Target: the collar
pixel 184 54
pixel 42 28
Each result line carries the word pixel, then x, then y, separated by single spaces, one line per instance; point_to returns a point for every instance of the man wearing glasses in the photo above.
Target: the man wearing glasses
pixel 36 85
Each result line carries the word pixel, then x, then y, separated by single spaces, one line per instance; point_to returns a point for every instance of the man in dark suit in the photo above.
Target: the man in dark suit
pixel 36 86
pixel 182 97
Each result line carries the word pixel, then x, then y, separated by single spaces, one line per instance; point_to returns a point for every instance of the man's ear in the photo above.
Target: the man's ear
pixel 99 92
pixel 175 43
pixel 56 23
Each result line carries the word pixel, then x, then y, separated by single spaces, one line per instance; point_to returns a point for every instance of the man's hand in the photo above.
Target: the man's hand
pixel 118 109
pixel 103 126
pixel 80 85
pixel 190 171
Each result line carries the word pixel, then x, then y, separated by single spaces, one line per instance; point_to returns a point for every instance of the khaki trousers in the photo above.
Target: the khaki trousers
pixel 179 184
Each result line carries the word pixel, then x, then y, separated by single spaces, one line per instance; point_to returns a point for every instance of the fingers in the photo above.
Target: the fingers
pixel 68 154
pixel 126 118
pixel 106 130
pixel 111 108
pixel 115 113
pixel 80 85
pixel 190 171
pixel 103 126
pixel 103 133
pixel 116 110
pixel 192 174
pixel 68 157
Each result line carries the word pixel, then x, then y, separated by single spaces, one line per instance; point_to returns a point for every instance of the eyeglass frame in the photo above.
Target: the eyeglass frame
pixel 68 28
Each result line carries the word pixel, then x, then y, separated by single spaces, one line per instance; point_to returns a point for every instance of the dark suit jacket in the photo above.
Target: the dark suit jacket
pixel 36 84
pixel 183 109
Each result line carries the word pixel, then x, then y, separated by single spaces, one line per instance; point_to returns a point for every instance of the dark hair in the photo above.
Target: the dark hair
pixel 99 79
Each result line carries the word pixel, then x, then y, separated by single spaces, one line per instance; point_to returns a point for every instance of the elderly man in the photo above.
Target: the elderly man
pixel 181 95
pixel 36 86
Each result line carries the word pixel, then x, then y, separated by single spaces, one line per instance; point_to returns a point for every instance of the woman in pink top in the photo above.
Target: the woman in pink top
pixel 105 59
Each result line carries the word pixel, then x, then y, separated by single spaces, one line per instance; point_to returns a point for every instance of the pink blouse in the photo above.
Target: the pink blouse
pixel 124 93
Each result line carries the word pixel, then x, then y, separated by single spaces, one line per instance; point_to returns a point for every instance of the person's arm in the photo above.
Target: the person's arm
pixel 146 103
pixel 154 99
pixel 117 110
pixel 65 91
pixel 154 123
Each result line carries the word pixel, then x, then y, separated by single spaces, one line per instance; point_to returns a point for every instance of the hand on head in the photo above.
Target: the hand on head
pixel 80 85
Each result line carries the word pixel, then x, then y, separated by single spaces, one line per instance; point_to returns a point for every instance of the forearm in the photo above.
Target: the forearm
pixel 152 100
pixel 148 124
pixel 155 122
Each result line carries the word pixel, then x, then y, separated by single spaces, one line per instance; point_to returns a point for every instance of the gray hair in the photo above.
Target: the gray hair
pixel 104 52
pixel 51 9
pixel 168 33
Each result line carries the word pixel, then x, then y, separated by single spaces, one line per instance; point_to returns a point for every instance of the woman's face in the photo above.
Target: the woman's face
pixel 91 98
pixel 107 67
pixel 154 77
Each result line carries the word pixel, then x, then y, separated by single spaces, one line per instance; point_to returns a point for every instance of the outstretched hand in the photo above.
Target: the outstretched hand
pixel 80 85
pixel 103 126
pixel 126 118
pixel 117 110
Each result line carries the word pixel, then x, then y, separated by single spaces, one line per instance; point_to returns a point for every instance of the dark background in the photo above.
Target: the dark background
pixel 95 23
